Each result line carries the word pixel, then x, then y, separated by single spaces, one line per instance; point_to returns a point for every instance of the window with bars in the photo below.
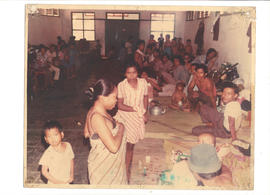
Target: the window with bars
pixel 202 14
pixel 162 24
pixel 48 12
pixel 123 16
pixel 190 15
pixel 83 25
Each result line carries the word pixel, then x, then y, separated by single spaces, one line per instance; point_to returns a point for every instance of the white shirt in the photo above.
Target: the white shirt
pixel 232 109
pixel 59 163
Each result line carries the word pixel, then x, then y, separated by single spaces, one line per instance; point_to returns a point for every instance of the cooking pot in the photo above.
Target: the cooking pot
pixel 157 110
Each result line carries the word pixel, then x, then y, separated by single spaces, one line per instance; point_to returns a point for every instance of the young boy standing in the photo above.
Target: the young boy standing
pixel 225 124
pixel 58 159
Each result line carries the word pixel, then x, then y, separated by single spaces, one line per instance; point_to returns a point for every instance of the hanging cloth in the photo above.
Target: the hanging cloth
pixel 216 30
pixel 199 38
pixel 249 35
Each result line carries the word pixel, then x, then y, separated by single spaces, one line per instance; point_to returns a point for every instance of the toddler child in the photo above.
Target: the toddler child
pixel 57 161
pixel 179 99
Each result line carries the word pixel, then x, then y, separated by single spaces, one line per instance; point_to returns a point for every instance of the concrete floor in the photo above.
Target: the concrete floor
pixel 68 105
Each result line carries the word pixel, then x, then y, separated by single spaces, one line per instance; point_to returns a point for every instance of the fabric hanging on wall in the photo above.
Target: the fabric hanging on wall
pixel 249 35
pixel 199 38
pixel 216 30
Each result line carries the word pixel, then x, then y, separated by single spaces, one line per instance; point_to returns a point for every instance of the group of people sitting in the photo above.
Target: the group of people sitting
pixel 52 63
pixel 113 138
pixel 186 80
pixel 178 74
pixel 49 64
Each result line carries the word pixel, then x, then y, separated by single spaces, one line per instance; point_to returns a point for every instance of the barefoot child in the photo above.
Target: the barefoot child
pixel 57 161
pixel 179 99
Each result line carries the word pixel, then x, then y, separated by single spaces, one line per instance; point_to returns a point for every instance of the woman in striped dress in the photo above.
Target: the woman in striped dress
pixel 106 160
pixel 132 109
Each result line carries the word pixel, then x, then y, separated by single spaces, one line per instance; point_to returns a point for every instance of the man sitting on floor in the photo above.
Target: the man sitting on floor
pixel 207 90
pixel 224 125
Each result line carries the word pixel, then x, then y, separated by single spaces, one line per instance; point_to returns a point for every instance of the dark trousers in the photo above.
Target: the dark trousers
pixel 211 115
pixel 204 99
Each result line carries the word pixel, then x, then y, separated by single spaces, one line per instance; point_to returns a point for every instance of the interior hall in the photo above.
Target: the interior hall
pixel 70 48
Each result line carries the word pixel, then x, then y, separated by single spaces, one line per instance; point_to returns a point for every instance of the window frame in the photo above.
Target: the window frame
pixel 196 15
pixel 202 14
pixel 122 13
pixel 190 15
pixel 83 30
pixel 174 23
pixel 44 12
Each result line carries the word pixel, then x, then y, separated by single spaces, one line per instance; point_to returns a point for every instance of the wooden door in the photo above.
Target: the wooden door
pixel 118 31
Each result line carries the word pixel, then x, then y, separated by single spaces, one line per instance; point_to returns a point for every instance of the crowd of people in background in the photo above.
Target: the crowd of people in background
pixel 157 68
pixel 167 62
pixel 48 64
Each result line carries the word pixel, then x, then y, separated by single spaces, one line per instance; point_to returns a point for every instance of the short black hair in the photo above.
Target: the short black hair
pixel 131 64
pixel 180 84
pixel 210 175
pixel 140 42
pixel 182 62
pixel 149 71
pixel 188 40
pixel 195 64
pixel 167 55
pixel 228 84
pixel 49 125
pixel 202 66
pixel 210 50
pixel 52 124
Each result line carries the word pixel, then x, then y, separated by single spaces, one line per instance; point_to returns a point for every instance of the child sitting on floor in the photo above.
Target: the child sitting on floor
pixel 207 168
pixel 202 168
pixel 58 159
pixel 207 138
pixel 233 155
pixel 179 99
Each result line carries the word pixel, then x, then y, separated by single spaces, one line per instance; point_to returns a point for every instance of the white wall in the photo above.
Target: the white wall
pixel 44 29
pixel 232 45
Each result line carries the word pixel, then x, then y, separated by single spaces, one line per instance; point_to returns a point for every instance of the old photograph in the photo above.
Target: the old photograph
pixel 142 97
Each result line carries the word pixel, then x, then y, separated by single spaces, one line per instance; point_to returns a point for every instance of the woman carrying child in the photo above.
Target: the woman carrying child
pixel 106 160
pixel 132 109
